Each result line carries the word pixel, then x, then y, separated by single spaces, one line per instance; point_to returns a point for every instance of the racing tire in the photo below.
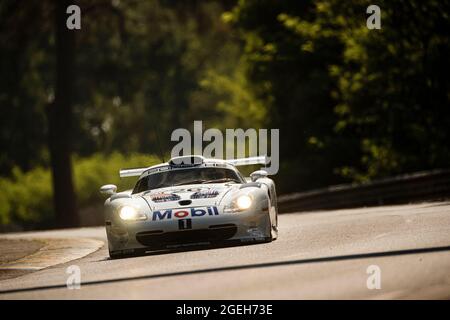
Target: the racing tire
pixel 276 229
pixel 114 256
pixel 271 237
pixel 118 255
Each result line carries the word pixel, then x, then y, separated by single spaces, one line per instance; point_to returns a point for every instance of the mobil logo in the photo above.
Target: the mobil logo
pixel 184 213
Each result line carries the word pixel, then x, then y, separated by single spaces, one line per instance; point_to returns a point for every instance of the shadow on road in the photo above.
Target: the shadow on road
pixel 248 266
pixel 200 247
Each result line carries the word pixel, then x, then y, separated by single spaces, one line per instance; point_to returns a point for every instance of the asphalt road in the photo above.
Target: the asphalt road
pixel 319 255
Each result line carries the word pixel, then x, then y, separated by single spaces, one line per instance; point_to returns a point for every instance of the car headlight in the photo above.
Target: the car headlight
pixel 244 202
pixel 131 213
pixel 241 203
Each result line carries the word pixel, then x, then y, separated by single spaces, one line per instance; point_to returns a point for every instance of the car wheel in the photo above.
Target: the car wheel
pixel 269 236
pixel 116 255
pixel 275 229
pixel 120 255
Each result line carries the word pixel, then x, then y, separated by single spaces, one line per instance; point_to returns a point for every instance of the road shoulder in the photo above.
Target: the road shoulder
pixel 15 249
pixel 25 256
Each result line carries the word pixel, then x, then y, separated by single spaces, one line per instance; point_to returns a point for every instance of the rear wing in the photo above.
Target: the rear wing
pixel 198 160
pixel 247 161
pixel 131 172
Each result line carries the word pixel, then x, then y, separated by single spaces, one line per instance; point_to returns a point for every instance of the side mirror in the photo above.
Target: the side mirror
pixel 255 175
pixel 108 189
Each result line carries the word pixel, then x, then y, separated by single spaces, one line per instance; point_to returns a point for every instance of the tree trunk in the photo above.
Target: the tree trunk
pixel 60 120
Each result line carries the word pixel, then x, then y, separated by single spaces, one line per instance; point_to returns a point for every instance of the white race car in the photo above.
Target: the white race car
pixel 190 200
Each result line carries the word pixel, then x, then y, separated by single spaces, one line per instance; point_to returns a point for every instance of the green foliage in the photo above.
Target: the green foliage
pixel 236 100
pixel 390 92
pixel 354 104
pixel 294 85
pixel 26 198
pixel 141 68
pixel 351 104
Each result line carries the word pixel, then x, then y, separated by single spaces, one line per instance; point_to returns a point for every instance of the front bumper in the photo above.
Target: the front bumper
pixel 129 236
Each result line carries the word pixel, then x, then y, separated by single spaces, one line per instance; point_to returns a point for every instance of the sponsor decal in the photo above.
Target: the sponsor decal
pixel 169 214
pixel 163 197
pixel 205 194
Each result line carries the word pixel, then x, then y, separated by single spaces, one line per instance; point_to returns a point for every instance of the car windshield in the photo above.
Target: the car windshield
pixel 186 176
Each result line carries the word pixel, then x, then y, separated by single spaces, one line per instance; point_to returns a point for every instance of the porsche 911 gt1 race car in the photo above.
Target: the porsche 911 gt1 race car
pixel 190 200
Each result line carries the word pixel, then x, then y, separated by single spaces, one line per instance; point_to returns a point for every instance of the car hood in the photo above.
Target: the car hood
pixel 188 195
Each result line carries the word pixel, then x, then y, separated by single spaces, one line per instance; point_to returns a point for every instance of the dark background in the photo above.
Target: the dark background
pixel 352 104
